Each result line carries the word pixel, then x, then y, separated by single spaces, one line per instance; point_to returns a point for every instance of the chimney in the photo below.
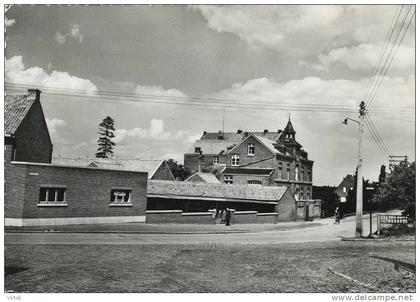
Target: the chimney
pixel 246 133
pixel 197 150
pixel 204 133
pixel 37 92
pixel 279 131
pixel 265 131
pixel 220 136
pixel 239 131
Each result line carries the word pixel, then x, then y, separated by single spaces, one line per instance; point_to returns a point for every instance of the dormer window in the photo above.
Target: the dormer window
pixel 251 149
pixel 234 160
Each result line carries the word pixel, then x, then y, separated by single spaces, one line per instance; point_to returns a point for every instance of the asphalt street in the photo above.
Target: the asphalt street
pixel 326 232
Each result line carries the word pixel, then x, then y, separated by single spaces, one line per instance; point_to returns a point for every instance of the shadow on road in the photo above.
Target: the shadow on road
pixel 399 264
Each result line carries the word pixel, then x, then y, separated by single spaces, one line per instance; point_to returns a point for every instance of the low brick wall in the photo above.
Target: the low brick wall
pixel 245 217
pixel 198 217
pixel 170 216
pixel 177 216
pixel 267 217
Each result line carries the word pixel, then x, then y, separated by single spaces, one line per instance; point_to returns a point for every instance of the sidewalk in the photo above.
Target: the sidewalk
pixel 146 228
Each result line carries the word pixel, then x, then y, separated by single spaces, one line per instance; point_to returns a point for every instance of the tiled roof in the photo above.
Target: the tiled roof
pixel 237 137
pixel 207 190
pixel 210 144
pixel 137 165
pixel 15 109
pixel 268 143
pixel 254 171
pixel 206 177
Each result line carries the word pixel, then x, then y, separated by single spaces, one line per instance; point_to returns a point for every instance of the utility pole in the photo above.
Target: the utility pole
pixel 359 192
pixel 359 196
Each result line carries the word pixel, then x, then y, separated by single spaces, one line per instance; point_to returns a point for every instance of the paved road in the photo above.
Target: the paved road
pixel 328 231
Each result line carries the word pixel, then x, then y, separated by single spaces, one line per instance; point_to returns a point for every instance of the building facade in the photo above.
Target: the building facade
pixel 344 187
pixel 38 192
pixel 264 158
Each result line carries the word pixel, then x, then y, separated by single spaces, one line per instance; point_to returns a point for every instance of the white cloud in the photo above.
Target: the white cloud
pixel 9 22
pixel 263 27
pixel 16 73
pixel 74 34
pixel 157 90
pixel 155 132
pixel 60 38
pixel 303 31
pixel 54 125
pixel 365 56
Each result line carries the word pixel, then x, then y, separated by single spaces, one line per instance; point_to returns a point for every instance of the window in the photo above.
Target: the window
pixel 52 195
pixel 309 175
pixel 280 172
pixel 344 189
pixel 302 173
pixel 288 172
pixel 228 179
pixel 309 193
pixel 251 149
pixel 215 159
pixel 297 173
pixel 120 196
pixel 254 182
pixel 234 160
pixel 301 193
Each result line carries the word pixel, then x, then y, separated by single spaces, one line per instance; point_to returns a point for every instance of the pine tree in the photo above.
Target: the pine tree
pixel 106 133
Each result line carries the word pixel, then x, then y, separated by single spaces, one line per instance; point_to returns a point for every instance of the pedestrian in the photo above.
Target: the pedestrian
pixel 337 215
pixel 227 217
pixel 223 216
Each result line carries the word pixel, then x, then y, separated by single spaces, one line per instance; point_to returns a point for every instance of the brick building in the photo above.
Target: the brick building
pixel 40 193
pixel 344 187
pixel 257 158
pixel 26 134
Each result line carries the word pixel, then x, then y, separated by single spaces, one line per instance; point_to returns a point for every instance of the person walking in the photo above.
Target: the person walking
pixel 337 215
pixel 223 216
pixel 228 217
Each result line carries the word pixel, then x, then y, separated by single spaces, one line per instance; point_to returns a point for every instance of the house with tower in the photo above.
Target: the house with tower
pixel 254 158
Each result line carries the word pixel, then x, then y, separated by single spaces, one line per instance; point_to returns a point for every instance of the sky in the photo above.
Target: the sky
pixel 283 54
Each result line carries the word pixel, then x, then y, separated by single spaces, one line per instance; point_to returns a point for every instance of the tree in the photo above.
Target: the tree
pixel 178 170
pixel 398 191
pixel 382 175
pixel 329 199
pixel 105 143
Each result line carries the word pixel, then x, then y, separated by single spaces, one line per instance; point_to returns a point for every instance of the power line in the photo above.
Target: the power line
pixel 390 57
pixel 101 96
pixel 376 135
pixel 385 47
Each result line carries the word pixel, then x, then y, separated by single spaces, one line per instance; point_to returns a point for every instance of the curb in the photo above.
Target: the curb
pixel 377 239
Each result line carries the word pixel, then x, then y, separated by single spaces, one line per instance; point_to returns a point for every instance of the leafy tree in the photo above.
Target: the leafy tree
pixel 179 171
pixel 329 199
pixel 105 143
pixel 398 191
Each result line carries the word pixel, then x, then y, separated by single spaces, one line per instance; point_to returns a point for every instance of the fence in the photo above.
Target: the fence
pixel 391 219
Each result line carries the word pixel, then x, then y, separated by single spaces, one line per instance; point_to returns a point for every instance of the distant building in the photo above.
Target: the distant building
pixel 257 158
pixel 344 187
pixel 203 177
pixel 156 169
pixel 40 193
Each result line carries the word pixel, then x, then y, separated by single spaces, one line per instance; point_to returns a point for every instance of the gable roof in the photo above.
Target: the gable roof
pixel 187 189
pixel 211 144
pixel 136 165
pixel 206 177
pixel 16 107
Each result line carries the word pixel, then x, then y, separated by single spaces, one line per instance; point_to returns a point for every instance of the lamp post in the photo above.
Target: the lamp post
pixel 359 193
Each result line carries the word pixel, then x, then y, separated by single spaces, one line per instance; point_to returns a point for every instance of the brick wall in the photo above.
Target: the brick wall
pixel 286 207
pixel 177 216
pixel 32 140
pixel 14 186
pixel 191 161
pixel 88 191
pixel 243 179
pixel 261 152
